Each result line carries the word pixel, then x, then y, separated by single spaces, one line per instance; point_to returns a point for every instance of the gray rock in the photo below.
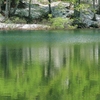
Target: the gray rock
pixel 38 10
pixel 60 10
pixel 1 18
pixel 86 17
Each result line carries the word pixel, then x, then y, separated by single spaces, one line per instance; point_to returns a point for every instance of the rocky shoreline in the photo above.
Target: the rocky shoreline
pixel 4 26
pixel 59 9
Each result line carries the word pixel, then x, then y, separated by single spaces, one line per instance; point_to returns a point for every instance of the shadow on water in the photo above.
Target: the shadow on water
pixel 50 65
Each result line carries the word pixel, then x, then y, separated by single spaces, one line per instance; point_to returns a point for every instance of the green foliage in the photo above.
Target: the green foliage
pixel 71 1
pixel 93 10
pixel 7 21
pixel 82 7
pixel 43 1
pixel 18 20
pixel 15 20
pixel 61 23
pixel 60 6
pixel 50 16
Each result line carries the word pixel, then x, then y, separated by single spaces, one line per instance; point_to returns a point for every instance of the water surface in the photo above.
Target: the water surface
pixel 50 65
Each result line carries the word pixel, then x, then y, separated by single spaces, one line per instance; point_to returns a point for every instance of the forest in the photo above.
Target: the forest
pixel 63 15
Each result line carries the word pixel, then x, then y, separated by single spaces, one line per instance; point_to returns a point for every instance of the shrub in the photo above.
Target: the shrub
pixel 61 23
pixel 18 20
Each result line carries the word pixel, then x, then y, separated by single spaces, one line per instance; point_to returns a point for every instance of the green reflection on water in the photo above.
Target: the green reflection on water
pixel 39 69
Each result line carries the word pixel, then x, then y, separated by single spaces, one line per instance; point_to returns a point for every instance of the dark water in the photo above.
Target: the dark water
pixel 50 65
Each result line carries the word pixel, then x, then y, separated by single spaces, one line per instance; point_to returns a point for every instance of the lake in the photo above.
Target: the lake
pixel 50 65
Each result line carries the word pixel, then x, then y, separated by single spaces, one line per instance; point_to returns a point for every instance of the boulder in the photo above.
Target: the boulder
pixel 62 10
pixel 59 9
pixel 2 18
pixel 39 10
pixel 87 18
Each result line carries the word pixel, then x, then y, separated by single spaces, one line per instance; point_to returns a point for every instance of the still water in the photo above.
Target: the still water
pixel 50 65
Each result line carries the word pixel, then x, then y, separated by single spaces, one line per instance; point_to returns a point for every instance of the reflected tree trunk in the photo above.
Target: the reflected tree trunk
pixel 4 61
pixel 64 57
pixel 47 67
pixel 49 62
pixel 30 55
pixel 49 59
pixel 96 53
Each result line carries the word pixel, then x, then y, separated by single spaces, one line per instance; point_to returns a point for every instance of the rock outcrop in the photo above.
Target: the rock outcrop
pixel 59 9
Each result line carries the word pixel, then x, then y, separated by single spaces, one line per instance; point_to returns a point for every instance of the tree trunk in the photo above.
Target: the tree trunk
pixel 76 13
pixel 94 17
pixel 30 9
pixel 50 11
pixel 6 9
pixel 29 14
pixel 99 6
pixel 0 7
pixel 15 8
pixel 9 6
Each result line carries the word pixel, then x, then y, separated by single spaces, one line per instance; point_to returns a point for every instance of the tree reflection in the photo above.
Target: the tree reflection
pixel 63 72
pixel 49 62
pixel 5 61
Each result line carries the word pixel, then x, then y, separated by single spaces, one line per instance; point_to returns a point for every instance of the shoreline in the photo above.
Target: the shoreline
pixel 12 26
pixel 4 26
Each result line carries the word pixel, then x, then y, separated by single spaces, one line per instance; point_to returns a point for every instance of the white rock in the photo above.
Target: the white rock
pixel 1 18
